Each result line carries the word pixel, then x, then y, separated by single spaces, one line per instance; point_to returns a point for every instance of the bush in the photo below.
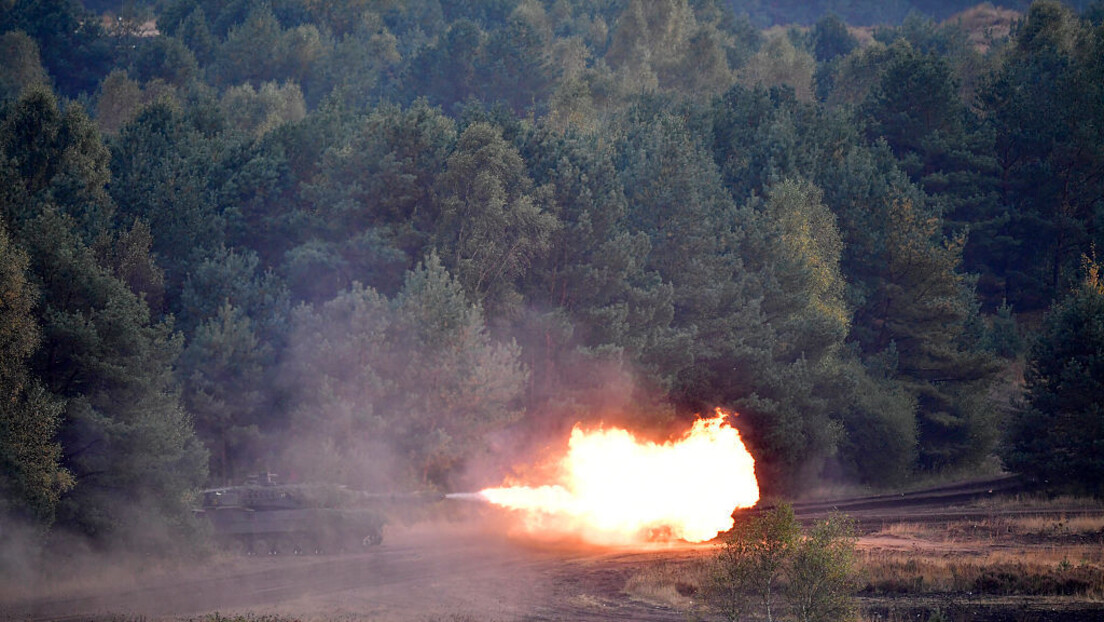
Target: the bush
pixel 768 558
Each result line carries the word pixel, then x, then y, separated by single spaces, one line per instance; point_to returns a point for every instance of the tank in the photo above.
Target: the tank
pixel 263 517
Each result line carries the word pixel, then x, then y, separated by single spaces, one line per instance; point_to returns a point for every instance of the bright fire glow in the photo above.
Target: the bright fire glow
pixel 615 488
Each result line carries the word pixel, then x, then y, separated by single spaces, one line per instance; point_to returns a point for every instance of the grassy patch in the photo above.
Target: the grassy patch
pixel 670 584
pixel 1068 571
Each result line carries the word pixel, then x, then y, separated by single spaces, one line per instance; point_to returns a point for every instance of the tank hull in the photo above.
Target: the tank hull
pixel 271 519
pixel 294 531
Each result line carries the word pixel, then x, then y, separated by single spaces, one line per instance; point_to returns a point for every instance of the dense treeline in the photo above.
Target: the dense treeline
pixel 385 242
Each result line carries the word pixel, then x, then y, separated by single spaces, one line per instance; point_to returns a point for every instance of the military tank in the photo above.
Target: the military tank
pixel 264 517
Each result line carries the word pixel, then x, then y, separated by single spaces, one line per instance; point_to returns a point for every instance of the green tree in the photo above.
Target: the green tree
pixel 778 63
pixel 117 102
pixel 195 32
pixel 251 51
pixel 890 257
pixel 56 156
pixel 515 67
pixel 617 310
pixel 161 168
pixel 752 563
pixel 767 558
pixel 373 200
pixel 923 309
pixel 1056 434
pixel 237 278
pixel 75 49
pixel 1050 158
pixel 417 380
pixel 259 111
pixel 360 64
pixel 164 58
pixel 879 420
pixel 224 369
pixel 942 146
pixel 127 441
pixel 831 39
pixel 821 574
pixel 808 310
pixel 446 72
pixel 31 476
pixel 494 222
pixel 23 66
pixel 124 437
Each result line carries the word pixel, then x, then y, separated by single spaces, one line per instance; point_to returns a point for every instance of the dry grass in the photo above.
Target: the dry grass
pixel 1051 573
pixel 1043 525
pixel 669 584
pixel 1040 502
pixel 999 555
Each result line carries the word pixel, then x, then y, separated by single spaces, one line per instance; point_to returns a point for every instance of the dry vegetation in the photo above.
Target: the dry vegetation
pixel 1057 557
pixel 985 24
pixel 666 583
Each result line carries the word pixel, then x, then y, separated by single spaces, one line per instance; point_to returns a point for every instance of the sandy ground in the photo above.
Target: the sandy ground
pixel 471 570
pixel 426 572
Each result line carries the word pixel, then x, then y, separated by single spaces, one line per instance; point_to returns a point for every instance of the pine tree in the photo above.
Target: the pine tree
pixel 1057 434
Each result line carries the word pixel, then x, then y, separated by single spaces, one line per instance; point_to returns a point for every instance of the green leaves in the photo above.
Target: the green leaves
pixel 768 560
pixel 494 223
pixel 416 379
pixel 1057 433
pixel 31 476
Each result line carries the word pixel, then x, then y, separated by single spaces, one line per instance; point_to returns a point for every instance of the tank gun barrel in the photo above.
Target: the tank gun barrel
pixel 467 496
pixel 401 497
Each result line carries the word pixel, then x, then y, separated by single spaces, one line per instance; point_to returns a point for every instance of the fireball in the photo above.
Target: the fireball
pixel 616 489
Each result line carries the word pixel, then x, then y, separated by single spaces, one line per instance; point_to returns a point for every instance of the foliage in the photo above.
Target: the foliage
pixel 493 222
pixel 416 376
pixel 821 573
pixel 778 63
pixel 123 435
pixel 1057 432
pixel 480 219
pixel 23 65
pixel 33 478
pixel 767 559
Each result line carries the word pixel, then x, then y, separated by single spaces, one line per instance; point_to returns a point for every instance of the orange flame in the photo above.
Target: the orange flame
pixel 616 489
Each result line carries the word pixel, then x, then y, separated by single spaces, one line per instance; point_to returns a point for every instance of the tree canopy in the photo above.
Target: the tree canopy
pixel 376 242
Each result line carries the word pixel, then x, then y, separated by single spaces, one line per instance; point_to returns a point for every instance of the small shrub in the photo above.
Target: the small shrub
pixel 768 557
pixel 820 574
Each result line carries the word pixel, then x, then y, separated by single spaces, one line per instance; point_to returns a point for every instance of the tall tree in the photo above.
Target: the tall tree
pixel 494 222
pixel 124 437
pixel 1051 160
pixel 941 144
pixel 922 311
pixel 23 67
pixel 161 168
pixel 1057 434
pixel 74 46
pixel 56 155
pixel 31 476
pixel 401 391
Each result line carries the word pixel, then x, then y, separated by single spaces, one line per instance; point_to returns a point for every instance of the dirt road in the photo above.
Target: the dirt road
pixel 428 572
pixel 451 571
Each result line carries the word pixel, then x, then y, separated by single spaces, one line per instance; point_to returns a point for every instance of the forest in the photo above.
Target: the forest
pixel 401 245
